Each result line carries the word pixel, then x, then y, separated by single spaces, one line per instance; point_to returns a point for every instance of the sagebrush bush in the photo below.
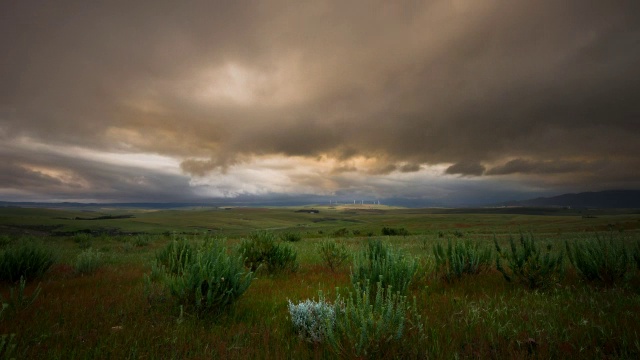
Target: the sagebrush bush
pixel 175 256
pixel 369 322
pixel 312 319
pixel 529 265
pixel 606 261
pixel 262 249
pixel 209 280
pixel 333 254
pixel 141 240
pixel 28 259
pixel 389 231
pixel 380 263
pixel 461 258
pixel 290 237
pixel 88 262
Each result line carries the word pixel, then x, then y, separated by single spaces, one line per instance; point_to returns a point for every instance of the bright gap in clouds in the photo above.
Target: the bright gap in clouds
pixel 148 161
pixel 317 176
pixel 242 85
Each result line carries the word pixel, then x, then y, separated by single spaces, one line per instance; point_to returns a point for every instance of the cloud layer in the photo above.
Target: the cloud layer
pixel 324 97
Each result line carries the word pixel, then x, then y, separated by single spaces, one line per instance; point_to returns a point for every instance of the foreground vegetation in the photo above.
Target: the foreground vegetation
pixel 518 286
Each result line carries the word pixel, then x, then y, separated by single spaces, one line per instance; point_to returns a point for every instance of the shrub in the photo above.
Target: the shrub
pixel 83 240
pixel 290 237
pixel 599 260
pixel 529 265
pixel 28 260
pixel 141 240
pixel 312 319
pixel 388 231
pixel 88 262
pixel 333 254
pixel 369 325
pixel 380 263
pixel 175 256
pixel 5 240
pixel 261 249
pixel 210 280
pixel 461 258
pixel 342 232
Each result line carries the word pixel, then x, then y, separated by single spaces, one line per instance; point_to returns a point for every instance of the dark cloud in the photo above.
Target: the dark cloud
pixel 407 168
pixel 465 168
pixel 525 166
pixel 545 88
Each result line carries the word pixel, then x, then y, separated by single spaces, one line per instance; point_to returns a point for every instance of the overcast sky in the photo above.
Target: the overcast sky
pixel 433 102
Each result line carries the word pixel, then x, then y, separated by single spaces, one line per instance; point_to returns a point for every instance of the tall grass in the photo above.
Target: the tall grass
pixel 18 299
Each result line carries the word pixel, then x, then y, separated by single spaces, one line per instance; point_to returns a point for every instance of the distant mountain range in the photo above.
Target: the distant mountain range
pixel 611 199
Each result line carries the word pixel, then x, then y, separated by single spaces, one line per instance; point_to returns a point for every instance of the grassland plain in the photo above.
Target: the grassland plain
pixel 107 314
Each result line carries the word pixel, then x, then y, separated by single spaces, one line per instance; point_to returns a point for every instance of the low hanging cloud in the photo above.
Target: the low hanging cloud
pixel 497 88
pixel 466 169
pixel 525 166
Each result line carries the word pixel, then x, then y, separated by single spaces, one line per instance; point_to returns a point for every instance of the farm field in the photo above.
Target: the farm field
pixel 117 311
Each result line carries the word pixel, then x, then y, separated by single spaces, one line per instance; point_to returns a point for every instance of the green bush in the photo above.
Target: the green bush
pixel 141 240
pixel 210 279
pixel 88 262
pixel 261 248
pixel 333 254
pixel 606 261
pixel 290 237
pixel 461 258
pixel 342 232
pixel 83 240
pixel 175 256
pixel 529 265
pixel 373 325
pixel 29 260
pixel 380 263
pixel 389 231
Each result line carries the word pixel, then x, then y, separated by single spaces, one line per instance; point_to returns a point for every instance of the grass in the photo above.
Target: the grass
pixel 106 314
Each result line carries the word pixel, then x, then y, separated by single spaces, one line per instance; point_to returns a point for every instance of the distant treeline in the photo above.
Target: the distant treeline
pixel 105 217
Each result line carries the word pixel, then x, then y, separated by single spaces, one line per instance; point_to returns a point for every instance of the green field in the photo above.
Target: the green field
pixel 109 314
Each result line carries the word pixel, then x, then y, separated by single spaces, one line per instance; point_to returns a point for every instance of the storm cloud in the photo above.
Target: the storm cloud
pixel 373 98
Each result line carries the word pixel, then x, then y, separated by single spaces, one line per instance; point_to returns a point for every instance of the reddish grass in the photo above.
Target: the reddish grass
pixel 106 315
